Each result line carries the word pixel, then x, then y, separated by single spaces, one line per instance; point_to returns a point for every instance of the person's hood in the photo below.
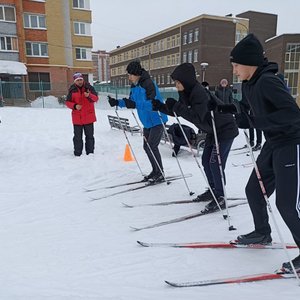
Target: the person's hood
pixel 185 73
pixel 266 68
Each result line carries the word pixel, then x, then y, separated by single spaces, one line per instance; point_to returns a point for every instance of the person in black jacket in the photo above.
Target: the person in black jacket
pixel 275 112
pixel 224 92
pixel 192 106
pixel 178 138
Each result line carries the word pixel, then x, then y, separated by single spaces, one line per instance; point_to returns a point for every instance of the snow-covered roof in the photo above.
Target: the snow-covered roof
pixel 12 67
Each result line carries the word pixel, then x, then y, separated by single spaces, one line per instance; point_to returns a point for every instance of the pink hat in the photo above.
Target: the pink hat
pixel 77 76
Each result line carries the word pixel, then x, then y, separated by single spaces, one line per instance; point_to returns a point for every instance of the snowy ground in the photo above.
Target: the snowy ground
pixel 57 244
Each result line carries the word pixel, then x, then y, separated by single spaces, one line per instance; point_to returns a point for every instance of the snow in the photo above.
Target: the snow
pixel 58 244
pixel 12 67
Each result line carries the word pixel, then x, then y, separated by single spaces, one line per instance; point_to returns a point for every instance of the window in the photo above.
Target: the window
pixel 184 56
pixel 184 40
pixel 291 69
pixel 82 28
pixel 190 37
pixel 168 78
pixel 196 55
pixel 7 13
pixel 39 81
pixel 34 21
pixel 190 56
pixel 83 54
pixel 8 43
pixel 36 49
pixel 196 35
pixel 81 4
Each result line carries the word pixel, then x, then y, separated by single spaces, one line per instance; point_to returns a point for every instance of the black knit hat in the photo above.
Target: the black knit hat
pixel 134 68
pixel 248 52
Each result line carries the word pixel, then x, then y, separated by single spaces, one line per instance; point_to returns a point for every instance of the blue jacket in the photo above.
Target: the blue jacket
pixel 142 93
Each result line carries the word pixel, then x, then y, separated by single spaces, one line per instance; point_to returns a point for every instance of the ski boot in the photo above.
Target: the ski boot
pixel 254 237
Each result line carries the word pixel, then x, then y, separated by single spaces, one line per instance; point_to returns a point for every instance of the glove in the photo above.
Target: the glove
pixel 129 103
pixel 212 104
pixel 170 102
pixel 112 101
pixel 156 105
pixel 227 109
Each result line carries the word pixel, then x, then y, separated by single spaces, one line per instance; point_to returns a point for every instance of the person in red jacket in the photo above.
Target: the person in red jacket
pixel 81 99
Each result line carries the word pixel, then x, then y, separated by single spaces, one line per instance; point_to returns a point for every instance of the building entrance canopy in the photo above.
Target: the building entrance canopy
pixel 12 67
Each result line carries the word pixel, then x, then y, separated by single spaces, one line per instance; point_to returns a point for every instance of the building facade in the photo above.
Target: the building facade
pixel 101 66
pixel 52 38
pixel 285 50
pixel 205 41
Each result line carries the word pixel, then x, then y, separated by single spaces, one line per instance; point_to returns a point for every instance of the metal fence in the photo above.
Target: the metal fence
pixel 23 93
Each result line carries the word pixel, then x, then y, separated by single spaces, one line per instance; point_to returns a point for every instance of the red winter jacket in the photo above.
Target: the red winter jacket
pixel 76 96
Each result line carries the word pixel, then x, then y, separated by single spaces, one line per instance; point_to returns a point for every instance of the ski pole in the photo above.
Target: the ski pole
pixel 220 168
pixel 123 129
pixel 198 164
pixel 179 166
pixel 159 167
pixel 262 187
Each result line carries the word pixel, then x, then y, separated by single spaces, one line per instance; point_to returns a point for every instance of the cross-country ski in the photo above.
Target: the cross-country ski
pixel 166 203
pixel 217 245
pixel 239 279
pixel 133 182
pixel 181 219
pixel 144 185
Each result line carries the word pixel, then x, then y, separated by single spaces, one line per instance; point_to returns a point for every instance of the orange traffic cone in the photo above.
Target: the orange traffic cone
pixel 127 154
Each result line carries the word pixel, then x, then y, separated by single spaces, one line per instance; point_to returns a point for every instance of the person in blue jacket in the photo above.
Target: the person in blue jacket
pixel 142 91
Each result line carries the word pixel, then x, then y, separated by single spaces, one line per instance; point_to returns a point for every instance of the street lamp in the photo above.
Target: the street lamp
pixel 235 21
pixel 204 66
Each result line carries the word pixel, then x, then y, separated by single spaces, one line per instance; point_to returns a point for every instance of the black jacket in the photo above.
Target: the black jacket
pixel 192 106
pixel 225 94
pixel 274 109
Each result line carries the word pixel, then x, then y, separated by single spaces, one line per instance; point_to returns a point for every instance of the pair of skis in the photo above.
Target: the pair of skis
pixel 174 202
pixel 184 218
pixel 280 274
pixel 142 186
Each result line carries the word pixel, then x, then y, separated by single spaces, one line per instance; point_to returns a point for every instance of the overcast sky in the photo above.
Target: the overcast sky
pixel 120 22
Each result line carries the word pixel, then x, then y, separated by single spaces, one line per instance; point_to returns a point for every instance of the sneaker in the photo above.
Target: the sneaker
pixel 287 268
pixel 157 178
pixel 206 196
pixel 257 147
pixel 254 237
pixel 212 205
pixel 149 176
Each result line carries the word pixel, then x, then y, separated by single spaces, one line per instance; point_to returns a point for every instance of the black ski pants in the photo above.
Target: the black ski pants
pixel 88 130
pixel 211 164
pixel 280 171
pixel 153 136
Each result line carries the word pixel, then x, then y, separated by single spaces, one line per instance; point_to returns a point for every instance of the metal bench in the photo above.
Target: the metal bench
pixel 123 124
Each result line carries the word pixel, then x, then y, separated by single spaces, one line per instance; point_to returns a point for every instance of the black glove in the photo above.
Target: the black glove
pixel 212 104
pixel 227 109
pixel 129 103
pixel 170 102
pixel 112 101
pixel 156 105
